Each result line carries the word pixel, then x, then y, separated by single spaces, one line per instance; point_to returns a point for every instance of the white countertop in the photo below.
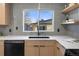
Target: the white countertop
pixel 63 40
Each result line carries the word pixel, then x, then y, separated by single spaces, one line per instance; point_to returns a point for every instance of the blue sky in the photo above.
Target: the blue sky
pixel 34 14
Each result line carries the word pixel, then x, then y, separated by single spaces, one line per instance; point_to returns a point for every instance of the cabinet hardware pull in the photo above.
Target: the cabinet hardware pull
pixel 42 45
pixel 35 45
pixel 58 48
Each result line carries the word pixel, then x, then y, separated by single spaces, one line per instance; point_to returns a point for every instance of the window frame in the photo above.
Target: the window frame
pixel 38 20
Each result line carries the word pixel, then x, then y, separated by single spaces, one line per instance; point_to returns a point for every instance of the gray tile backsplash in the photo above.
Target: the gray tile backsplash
pixel 74 14
pixel 16 20
pixel 73 30
pixel 17 9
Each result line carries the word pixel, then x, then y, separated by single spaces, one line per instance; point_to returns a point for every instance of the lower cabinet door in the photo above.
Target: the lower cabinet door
pixel 60 51
pixel 47 51
pixel 31 51
pixel 1 48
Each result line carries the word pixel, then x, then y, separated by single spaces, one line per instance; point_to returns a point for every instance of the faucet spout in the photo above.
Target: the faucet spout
pixel 38 33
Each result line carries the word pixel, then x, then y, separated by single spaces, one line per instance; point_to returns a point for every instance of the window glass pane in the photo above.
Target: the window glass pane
pixel 30 20
pixel 46 17
pixel 42 27
pixel 32 17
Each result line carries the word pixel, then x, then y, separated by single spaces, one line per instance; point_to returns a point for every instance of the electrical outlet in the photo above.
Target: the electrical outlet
pixel 16 27
pixel 58 30
pixel 10 30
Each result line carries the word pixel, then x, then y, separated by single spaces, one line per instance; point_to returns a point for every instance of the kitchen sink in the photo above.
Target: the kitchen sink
pixel 39 37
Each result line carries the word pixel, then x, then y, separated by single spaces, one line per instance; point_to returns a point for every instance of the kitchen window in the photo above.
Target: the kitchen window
pixel 35 19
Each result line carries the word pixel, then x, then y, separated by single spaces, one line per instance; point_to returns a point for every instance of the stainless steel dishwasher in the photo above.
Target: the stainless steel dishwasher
pixel 13 48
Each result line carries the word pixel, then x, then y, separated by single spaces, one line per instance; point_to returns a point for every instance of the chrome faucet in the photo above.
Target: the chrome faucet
pixel 38 33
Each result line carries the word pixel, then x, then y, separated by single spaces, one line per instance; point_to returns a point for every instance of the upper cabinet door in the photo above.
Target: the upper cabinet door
pixel 4 14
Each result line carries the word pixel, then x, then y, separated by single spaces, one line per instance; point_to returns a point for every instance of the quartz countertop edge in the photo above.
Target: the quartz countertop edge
pixel 63 40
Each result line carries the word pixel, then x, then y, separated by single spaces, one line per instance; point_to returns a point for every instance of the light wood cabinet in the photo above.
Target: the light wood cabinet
pixel 47 47
pixel 4 14
pixel 31 51
pixel 60 50
pixel 47 51
pixel 1 48
pixel 40 48
pixel 31 48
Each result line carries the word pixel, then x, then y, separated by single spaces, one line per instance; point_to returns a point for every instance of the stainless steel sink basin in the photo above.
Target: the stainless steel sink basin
pixel 39 37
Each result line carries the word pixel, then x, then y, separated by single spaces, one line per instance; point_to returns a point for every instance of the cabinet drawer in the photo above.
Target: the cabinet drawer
pixel 48 42
pixel 40 42
pixel 32 42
